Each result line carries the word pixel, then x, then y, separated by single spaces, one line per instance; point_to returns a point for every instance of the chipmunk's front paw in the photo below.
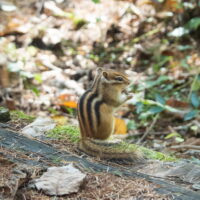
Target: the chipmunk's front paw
pixel 130 96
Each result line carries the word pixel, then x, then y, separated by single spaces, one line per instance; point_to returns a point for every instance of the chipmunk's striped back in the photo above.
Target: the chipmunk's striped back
pixel 89 108
pixel 95 114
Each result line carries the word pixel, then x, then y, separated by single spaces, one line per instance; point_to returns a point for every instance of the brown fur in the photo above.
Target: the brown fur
pixel 104 97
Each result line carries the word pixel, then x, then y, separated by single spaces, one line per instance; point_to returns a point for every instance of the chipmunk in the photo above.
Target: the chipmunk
pixel 95 115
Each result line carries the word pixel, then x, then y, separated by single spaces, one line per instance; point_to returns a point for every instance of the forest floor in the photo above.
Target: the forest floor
pixel 49 51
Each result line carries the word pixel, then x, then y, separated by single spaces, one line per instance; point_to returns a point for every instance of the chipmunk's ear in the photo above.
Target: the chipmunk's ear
pixel 105 74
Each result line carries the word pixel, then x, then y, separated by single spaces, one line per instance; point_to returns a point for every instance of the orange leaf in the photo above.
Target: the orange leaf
pixel 64 97
pixel 120 126
pixel 69 104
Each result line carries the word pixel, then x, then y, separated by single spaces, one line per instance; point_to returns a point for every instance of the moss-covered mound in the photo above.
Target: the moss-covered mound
pixel 72 133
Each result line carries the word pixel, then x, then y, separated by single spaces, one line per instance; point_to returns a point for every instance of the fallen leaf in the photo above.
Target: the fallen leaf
pixel 172 5
pixel 67 100
pixel 177 104
pixel 60 120
pixel 60 180
pixel 70 104
pixel 120 126
pixel 10 23
pixel 39 127
pixel 64 97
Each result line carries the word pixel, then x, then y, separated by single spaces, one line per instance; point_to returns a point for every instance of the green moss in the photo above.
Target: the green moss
pixel 56 160
pixel 17 114
pixel 65 132
pixel 124 147
pixel 155 155
pixel 148 153
pixel 72 133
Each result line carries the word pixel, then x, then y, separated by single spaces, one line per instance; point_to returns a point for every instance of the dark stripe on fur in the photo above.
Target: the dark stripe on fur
pixel 89 108
pixel 97 110
pixel 81 103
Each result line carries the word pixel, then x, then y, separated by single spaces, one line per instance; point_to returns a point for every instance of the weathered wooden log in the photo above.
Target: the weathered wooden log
pixel 48 154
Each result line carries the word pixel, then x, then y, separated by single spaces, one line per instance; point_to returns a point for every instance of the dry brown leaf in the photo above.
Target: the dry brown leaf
pixel 177 104
pixel 168 5
pixel 9 23
pixel 60 180
pixel 172 5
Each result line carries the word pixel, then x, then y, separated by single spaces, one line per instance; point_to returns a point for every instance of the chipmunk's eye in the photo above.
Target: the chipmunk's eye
pixel 119 78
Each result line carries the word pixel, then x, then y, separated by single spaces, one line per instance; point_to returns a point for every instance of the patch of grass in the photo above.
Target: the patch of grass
pixel 17 114
pixel 65 132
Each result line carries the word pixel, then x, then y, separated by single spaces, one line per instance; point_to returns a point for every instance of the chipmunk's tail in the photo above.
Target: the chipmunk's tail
pixel 111 151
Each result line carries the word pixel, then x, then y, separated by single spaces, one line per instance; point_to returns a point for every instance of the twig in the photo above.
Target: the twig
pixel 187 126
pixel 185 147
pixel 192 85
pixel 151 133
pixel 148 129
pixel 150 33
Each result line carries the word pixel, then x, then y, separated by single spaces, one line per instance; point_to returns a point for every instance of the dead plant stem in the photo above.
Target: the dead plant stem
pixel 148 129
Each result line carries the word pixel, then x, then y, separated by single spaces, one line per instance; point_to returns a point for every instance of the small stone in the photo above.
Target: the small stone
pixel 4 114
pixel 196 186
